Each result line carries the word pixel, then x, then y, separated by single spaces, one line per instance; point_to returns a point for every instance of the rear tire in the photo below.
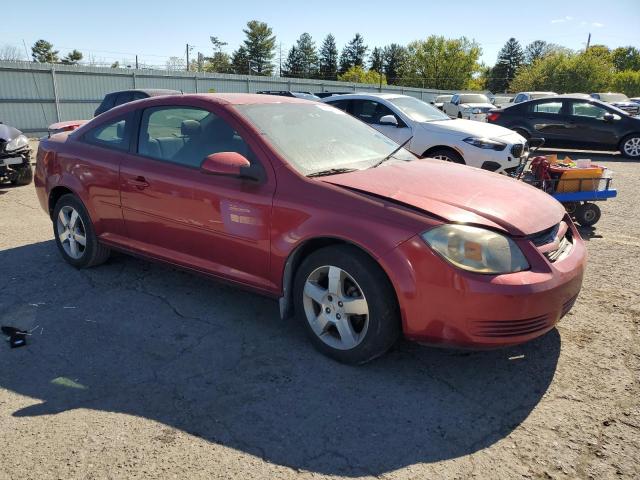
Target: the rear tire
pixel 630 146
pixel 22 176
pixel 71 227
pixel 447 155
pixel 587 214
pixel 347 304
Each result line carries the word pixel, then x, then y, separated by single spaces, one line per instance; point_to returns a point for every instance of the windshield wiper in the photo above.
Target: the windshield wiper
pixel 393 153
pixel 331 171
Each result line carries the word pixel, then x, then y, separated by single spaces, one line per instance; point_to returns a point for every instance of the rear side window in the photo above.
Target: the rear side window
pixel 547 107
pixel 114 134
pixel 187 135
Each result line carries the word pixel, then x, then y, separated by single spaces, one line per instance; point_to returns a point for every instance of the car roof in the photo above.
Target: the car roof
pixel 364 96
pixel 237 98
pixel 152 92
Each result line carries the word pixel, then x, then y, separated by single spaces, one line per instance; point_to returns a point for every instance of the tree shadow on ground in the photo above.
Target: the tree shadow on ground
pixel 145 340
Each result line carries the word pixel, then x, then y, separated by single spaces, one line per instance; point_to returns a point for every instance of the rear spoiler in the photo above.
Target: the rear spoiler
pixel 67 126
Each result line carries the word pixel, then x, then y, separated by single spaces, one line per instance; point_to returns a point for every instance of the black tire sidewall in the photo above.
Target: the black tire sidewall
pixel 455 156
pixel 625 140
pixel 92 243
pixel 384 319
pixel 581 211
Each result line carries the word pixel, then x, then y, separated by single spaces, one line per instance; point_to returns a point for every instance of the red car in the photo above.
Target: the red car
pixel 302 202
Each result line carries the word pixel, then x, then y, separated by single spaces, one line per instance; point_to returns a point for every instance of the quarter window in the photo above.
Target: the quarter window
pixel 547 107
pixel 114 134
pixel 186 135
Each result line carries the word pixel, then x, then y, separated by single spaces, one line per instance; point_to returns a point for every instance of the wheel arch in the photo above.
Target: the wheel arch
pixel 430 150
pixel 303 250
pixel 55 194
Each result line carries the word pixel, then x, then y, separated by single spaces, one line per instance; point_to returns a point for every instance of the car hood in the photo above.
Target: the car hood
pixel 469 128
pixel 458 194
pixel 8 133
pixel 477 105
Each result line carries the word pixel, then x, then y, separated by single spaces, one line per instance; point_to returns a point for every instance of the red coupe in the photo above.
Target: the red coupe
pixel 300 201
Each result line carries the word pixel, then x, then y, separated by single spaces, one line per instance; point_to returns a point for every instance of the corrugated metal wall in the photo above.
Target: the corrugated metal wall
pixel 34 95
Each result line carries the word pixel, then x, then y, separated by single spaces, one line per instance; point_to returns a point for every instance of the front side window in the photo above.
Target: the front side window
pixel 315 137
pixel 122 98
pixel 369 111
pixel 185 135
pixel 587 109
pixel 547 107
pixel 113 134
pixel 341 104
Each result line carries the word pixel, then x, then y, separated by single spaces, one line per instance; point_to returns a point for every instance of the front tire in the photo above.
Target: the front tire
pixel 587 214
pixel 447 155
pixel 630 146
pixel 347 304
pixel 74 234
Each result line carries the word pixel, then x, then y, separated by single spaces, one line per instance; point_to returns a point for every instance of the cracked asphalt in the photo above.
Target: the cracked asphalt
pixel 137 370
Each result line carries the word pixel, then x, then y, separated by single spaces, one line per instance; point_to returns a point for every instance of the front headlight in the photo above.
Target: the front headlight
pixel 476 249
pixel 485 143
pixel 14 144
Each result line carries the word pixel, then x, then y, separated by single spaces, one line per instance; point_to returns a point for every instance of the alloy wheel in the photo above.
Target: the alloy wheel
pixel 443 157
pixel 336 307
pixel 632 147
pixel 71 232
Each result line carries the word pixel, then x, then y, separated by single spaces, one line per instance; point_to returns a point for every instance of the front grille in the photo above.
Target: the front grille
pixel 546 236
pixel 633 110
pixel 510 328
pixel 550 235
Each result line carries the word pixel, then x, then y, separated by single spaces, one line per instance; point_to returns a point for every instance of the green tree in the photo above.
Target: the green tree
pixel 357 74
pixel 536 50
pixel 627 82
pixel 219 61
pixel 259 47
pixel 240 61
pixel 626 58
pixel 394 56
pixel 293 66
pixel 43 52
pixel 308 55
pixel 510 59
pixel 437 62
pixel 353 54
pixel 601 51
pixel 376 61
pixel 72 58
pixel 328 60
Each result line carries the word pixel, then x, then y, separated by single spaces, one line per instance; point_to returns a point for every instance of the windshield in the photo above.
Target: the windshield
pixel 306 96
pixel 443 98
pixel 417 110
pixel 474 98
pixel 316 137
pixel 614 97
pixel 535 96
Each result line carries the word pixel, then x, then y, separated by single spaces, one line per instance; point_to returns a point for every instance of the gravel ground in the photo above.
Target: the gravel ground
pixel 136 370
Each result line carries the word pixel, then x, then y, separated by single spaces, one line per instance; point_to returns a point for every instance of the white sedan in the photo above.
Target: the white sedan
pixel 433 134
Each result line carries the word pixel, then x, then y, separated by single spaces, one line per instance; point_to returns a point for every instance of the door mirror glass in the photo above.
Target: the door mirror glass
pixel 610 117
pixel 389 120
pixel 224 163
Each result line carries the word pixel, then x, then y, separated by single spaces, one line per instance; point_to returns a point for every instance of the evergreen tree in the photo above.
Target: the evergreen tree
pixel 510 59
pixel 394 57
pixel 535 51
pixel 294 65
pixel 308 55
pixel 377 60
pixel 240 61
pixel 259 47
pixel 72 58
pixel 328 60
pixel 43 52
pixel 353 54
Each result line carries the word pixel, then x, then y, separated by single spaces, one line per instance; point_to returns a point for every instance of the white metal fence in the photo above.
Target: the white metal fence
pixel 35 95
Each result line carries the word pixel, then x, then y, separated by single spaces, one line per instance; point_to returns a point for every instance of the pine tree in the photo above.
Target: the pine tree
pixel 353 54
pixel 328 60
pixel 259 47
pixel 377 60
pixel 72 58
pixel 294 65
pixel 510 59
pixel 394 56
pixel 43 52
pixel 240 61
pixel 308 55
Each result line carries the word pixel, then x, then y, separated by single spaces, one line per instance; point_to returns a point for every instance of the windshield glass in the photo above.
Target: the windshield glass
pixel 443 98
pixel 535 96
pixel 614 97
pixel 417 110
pixel 306 96
pixel 315 138
pixel 474 98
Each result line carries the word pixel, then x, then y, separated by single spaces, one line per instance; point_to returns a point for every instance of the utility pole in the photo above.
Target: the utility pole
pixel 588 42
pixel 280 61
pixel 136 62
pixel 187 57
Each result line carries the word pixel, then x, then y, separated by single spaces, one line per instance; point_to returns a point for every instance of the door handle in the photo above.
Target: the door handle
pixel 139 182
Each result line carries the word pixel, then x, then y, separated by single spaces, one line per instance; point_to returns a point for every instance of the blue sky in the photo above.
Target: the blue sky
pixel 118 29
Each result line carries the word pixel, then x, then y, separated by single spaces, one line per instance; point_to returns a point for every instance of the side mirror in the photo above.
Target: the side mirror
pixel 609 117
pixel 511 100
pixel 224 163
pixel 389 120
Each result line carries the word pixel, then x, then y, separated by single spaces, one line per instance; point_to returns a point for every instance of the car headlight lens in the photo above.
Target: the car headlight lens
pixel 485 143
pixel 14 144
pixel 476 249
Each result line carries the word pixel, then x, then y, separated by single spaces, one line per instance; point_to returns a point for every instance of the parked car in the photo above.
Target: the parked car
pixel 362 240
pixel 15 156
pixel 440 100
pixel 501 101
pixel 470 106
pixel 329 94
pixel 635 100
pixel 567 121
pixel 619 100
pixel 431 133
pixel 526 96
pixel 287 93
pixel 121 97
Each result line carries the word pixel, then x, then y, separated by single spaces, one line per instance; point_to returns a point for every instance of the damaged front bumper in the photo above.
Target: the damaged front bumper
pixel 11 162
